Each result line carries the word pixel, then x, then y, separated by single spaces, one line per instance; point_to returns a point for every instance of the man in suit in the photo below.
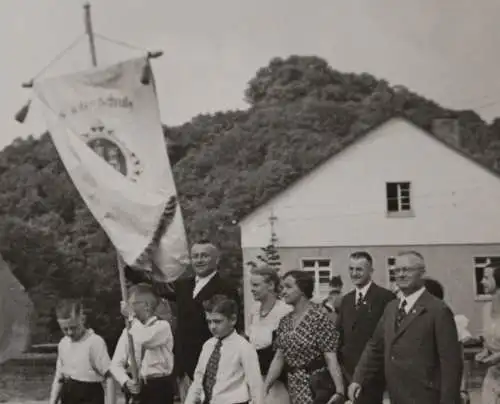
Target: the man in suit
pixel 359 314
pixel 415 344
pixel 189 294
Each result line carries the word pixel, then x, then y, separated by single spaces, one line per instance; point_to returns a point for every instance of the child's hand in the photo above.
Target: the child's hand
pixel 132 387
pixel 481 356
pixel 125 310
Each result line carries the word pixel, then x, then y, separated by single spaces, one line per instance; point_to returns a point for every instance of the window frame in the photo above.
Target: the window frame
pixel 480 297
pixel 316 271
pixel 400 197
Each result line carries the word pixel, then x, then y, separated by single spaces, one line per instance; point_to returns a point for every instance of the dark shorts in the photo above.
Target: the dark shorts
pixel 77 392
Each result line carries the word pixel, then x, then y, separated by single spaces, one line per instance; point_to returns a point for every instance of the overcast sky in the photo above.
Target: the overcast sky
pixel 448 50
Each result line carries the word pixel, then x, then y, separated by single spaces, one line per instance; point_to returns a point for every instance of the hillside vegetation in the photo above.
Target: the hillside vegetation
pixel 300 111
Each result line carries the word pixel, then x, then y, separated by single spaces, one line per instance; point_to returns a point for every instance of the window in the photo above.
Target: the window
pixel 321 268
pixel 480 263
pixel 398 198
pixel 391 280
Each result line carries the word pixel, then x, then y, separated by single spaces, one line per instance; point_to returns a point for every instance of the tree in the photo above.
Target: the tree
pixel 301 112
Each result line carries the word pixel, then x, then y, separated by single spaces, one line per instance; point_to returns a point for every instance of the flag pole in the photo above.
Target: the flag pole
pixel 120 264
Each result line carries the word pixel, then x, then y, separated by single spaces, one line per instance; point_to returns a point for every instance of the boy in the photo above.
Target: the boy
pixel 228 370
pixel 153 348
pixel 82 361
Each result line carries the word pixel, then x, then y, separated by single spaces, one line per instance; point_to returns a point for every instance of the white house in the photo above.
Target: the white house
pixel 396 187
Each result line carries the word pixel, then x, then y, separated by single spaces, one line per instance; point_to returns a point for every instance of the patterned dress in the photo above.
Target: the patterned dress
pixel 313 336
pixel 490 393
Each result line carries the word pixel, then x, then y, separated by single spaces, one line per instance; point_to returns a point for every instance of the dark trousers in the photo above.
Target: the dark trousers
pixel 157 391
pixel 77 392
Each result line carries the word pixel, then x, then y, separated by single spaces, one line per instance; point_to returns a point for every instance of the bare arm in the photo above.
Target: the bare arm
pixel 334 369
pixel 55 390
pixel 275 369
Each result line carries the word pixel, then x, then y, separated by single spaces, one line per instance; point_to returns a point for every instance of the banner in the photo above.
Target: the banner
pixel 105 124
pixel 16 311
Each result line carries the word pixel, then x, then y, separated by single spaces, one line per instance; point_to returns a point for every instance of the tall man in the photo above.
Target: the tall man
pixel 415 344
pixel 189 294
pixel 359 313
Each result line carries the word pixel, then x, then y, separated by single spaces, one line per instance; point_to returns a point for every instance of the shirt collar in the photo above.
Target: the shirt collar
pixel 205 278
pixel 363 290
pixel 412 299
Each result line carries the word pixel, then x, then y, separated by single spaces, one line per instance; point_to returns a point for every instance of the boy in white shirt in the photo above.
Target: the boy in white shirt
pixel 228 370
pixel 82 361
pixel 153 348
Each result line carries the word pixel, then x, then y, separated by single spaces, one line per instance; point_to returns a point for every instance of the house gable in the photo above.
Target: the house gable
pixel 343 201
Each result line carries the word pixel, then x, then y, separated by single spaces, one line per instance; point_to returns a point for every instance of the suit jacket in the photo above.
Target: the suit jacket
pixel 192 328
pixel 357 326
pixel 422 360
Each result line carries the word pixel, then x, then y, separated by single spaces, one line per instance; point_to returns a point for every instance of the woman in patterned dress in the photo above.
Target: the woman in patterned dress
pixel 490 355
pixel 306 344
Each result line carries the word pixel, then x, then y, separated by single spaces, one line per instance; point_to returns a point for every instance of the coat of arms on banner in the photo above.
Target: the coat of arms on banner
pixel 105 144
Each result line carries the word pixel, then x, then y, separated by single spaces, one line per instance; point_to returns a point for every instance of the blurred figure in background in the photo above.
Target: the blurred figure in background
pixel 334 299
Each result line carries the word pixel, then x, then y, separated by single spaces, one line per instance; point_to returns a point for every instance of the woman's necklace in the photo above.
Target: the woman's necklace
pixel 264 314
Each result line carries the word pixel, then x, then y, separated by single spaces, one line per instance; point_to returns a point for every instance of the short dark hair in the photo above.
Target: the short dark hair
pixel 336 281
pixel 304 281
pixel 221 304
pixel 68 308
pixel 434 288
pixel 362 255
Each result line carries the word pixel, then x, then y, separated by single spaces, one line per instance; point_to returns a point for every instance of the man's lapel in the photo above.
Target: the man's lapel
pixel 418 309
pixel 209 289
pixel 366 305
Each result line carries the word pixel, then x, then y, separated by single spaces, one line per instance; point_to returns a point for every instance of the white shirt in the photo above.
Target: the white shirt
pixel 153 349
pixel 238 374
pixel 200 283
pixel 363 291
pixel 86 360
pixel 412 299
pixel 260 330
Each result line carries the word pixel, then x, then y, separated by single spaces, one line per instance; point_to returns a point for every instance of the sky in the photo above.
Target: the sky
pixel 446 50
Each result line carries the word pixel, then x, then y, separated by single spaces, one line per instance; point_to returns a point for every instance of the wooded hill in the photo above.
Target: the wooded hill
pixel 300 111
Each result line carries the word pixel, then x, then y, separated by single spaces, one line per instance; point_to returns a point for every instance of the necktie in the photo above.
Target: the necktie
pixel 401 314
pixel 211 371
pixel 359 300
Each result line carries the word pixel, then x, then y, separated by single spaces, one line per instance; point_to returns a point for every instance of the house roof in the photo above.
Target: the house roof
pixel 360 136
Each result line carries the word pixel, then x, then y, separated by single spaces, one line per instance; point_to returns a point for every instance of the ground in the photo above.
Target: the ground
pixel 28 380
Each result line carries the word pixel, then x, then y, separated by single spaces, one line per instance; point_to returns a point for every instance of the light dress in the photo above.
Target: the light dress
pixel 260 333
pixel 491 332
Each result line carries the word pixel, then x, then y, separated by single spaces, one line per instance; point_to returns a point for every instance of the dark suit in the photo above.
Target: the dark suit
pixel 422 360
pixel 192 329
pixel 356 326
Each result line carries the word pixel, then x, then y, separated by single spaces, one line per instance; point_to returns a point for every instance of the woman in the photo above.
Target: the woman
pixel 490 355
pixel 306 345
pixel 332 302
pixel 264 321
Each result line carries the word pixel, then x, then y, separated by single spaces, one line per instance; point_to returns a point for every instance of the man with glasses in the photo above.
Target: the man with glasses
pixel 415 343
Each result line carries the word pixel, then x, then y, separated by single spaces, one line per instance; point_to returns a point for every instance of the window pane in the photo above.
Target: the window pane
pixel 391 261
pixel 392 205
pixel 324 277
pixel 404 186
pixel 480 263
pixel 308 263
pixel 324 263
pixel 392 278
pixel 391 190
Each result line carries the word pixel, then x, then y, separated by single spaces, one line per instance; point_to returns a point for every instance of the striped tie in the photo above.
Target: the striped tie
pixel 401 314
pixel 211 372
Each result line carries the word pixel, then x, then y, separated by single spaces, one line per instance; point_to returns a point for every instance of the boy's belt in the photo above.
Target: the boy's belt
pixel 154 376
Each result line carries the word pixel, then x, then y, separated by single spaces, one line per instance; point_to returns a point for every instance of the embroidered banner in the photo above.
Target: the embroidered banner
pixel 105 124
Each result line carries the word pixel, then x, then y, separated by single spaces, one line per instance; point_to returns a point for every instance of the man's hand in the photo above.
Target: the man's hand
pixel 126 310
pixel 132 387
pixel 354 391
pixel 481 356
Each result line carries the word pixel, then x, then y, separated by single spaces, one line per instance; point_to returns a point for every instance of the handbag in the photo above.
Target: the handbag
pixel 321 382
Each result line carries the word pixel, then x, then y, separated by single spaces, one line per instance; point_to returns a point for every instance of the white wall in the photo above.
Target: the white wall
pixel 343 202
